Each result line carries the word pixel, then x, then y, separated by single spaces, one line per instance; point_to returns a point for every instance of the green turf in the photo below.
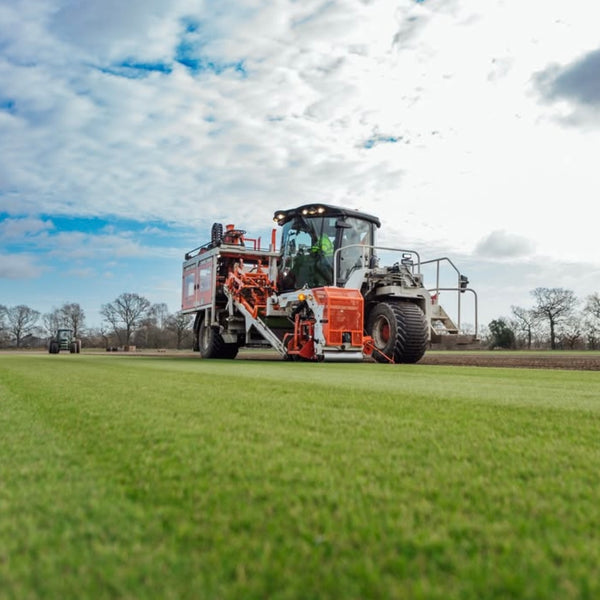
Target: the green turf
pixel 133 477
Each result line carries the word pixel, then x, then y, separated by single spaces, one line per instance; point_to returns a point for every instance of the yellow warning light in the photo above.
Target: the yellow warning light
pixel 302 297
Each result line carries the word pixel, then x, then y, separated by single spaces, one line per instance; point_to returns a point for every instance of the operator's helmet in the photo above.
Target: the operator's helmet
pixel 324 245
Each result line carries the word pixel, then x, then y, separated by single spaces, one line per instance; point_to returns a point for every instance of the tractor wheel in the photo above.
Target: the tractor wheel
pixel 54 347
pixel 211 344
pixel 399 331
pixel 216 233
pixel 73 347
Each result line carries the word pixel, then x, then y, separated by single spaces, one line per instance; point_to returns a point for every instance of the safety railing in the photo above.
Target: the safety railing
pixel 415 266
pixel 460 289
pixel 366 257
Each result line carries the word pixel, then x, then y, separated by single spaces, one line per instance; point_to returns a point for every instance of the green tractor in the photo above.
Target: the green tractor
pixel 64 340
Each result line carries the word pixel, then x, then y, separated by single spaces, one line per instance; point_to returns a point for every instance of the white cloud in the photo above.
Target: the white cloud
pixel 429 114
pixel 16 229
pixel 574 89
pixel 19 266
pixel 501 244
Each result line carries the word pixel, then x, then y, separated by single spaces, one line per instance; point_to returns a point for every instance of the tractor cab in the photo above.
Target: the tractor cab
pixel 314 236
pixel 63 337
pixel 64 340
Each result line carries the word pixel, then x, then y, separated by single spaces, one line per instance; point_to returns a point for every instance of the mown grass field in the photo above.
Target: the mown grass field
pixel 141 477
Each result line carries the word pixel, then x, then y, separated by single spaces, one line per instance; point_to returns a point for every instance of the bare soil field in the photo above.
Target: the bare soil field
pixel 533 360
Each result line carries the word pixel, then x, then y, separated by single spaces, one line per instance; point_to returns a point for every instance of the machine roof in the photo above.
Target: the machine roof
pixel 317 209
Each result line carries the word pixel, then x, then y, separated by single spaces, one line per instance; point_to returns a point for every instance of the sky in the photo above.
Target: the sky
pixel 469 127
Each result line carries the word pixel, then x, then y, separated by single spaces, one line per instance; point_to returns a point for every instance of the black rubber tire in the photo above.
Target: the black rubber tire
pixel 216 234
pixel 54 347
pixel 197 322
pixel 211 344
pixel 399 331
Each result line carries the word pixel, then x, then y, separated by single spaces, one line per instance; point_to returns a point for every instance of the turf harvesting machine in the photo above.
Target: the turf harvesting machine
pixel 321 296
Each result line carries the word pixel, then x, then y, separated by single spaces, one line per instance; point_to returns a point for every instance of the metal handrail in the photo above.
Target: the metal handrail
pixel 459 291
pixel 438 261
pixel 363 258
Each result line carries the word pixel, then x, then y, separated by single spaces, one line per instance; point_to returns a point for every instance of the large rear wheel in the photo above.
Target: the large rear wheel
pixel 211 344
pixel 399 331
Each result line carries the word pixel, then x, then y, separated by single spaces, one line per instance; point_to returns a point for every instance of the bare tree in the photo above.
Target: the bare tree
pixel 21 321
pixel 154 330
pixel 125 315
pixel 571 331
pixel 3 325
pixel 73 317
pixel 179 324
pixel 592 306
pixel 52 321
pixel 159 313
pixel 97 337
pixel 524 320
pixel 151 332
pixel 553 305
pixel 70 316
pixel 591 313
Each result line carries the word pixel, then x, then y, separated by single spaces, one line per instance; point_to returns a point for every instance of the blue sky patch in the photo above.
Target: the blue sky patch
pixel 134 70
pixel 191 52
pixel 381 139
pixel 91 226
pixel 189 56
pixel 147 67
pixel 8 105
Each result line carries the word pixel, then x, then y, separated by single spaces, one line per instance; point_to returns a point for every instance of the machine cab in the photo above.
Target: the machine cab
pixel 314 236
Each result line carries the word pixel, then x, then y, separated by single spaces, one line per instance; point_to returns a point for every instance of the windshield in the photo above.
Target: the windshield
pixel 356 242
pixel 308 246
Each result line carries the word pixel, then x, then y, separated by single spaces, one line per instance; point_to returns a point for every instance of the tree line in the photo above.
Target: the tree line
pixel 130 320
pixel 556 320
